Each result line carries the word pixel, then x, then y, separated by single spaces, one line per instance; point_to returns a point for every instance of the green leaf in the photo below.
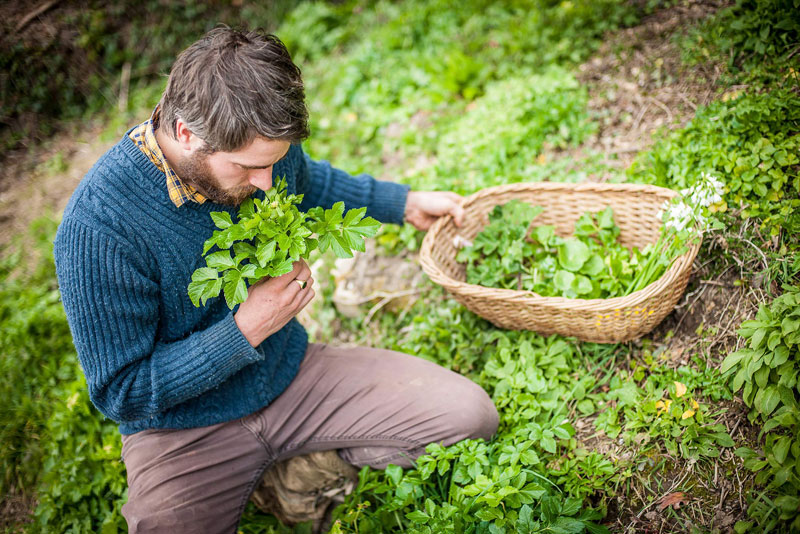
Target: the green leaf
pixel 340 247
pixel 770 400
pixel 525 521
pixel 333 216
pixel 563 280
pixel 204 273
pixel 355 240
pixel 324 242
pixel 593 266
pixel 757 338
pixel 549 444
pixel 572 254
pixel 222 219
pixel 582 285
pixel 394 473
pixel 220 260
pixel 567 525
pixel 265 252
pixel 781 448
pixel 235 289
pixel 543 234
pixel 367 227
pixel 282 267
pixel 789 325
pixel 732 359
pixel 418 516
pixel 353 216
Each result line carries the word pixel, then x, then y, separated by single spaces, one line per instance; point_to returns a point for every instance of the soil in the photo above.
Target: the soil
pixel 639 86
pixel 40 183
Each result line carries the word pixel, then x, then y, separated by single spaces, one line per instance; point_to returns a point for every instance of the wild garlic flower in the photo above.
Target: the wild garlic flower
pixel 690 209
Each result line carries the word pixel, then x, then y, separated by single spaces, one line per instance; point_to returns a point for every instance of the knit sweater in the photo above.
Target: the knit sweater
pixel 124 258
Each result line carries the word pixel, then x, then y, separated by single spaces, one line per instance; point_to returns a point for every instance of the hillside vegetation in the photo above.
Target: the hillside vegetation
pixel 692 429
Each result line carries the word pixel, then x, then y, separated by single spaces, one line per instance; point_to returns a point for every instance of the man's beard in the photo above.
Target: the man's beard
pixel 196 172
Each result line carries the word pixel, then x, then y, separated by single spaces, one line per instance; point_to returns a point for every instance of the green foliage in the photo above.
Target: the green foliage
pixel 453 99
pixel 440 60
pixel 756 37
pixel 662 414
pixel 767 370
pixel 508 253
pixel 751 142
pixel 73 67
pixel 83 484
pixel 268 237
pixel 36 354
pixel 543 110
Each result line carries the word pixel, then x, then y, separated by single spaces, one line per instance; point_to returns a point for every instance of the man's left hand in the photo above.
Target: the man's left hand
pixel 424 207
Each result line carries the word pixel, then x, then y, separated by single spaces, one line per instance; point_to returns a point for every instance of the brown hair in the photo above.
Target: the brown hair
pixel 233 86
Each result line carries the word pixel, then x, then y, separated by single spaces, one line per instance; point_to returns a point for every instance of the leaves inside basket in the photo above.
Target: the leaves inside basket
pixel 590 264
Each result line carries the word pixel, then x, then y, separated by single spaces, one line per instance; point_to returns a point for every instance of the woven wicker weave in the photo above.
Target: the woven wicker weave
pixel 600 320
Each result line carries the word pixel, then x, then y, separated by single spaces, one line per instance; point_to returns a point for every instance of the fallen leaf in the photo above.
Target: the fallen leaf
pixel 680 389
pixel 673 499
pixel 687 414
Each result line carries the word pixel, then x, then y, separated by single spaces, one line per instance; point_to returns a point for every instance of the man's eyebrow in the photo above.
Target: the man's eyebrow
pixel 242 165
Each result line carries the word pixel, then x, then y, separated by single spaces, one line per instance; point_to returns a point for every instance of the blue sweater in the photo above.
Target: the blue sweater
pixel 124 258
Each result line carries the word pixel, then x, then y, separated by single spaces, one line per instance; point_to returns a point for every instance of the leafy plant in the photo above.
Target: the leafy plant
pixel 767 370
pixel 591 264
pixel 751 142
pixel 754 37
pixel 268 237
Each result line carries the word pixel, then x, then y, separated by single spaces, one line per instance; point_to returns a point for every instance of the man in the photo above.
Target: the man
pixel 208 398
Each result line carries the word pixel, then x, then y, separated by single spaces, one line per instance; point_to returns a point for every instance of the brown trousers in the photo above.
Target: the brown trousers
pixel 375 406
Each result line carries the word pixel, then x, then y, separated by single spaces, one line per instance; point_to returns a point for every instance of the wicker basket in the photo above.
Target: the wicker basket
pixel 600 320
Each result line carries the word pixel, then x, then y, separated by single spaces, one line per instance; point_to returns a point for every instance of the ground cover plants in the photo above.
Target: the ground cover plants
pixel 692 429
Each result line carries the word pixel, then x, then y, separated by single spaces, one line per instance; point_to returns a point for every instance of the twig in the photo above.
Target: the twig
pixel 386 300
pixel 664 107
pixel 35 13
pixel 764 256
pixel 713 283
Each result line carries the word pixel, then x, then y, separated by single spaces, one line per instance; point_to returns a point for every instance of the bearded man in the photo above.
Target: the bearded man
pixel 208 398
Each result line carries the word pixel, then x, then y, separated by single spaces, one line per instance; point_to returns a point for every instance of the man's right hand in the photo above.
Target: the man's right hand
pixel 271 303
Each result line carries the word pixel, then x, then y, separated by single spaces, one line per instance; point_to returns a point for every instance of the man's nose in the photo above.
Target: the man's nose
pixel 261 178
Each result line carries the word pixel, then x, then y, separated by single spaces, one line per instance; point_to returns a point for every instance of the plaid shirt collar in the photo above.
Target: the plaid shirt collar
pixel 145 138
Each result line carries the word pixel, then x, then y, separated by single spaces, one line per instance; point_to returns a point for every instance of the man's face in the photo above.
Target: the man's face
pixel 229 178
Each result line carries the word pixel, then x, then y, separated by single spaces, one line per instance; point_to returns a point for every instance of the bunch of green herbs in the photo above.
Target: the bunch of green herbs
pixel 268 237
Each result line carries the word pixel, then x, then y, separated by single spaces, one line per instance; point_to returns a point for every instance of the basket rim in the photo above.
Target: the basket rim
pixel 462 288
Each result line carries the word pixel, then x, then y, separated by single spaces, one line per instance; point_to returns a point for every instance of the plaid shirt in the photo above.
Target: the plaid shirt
pixel 145 138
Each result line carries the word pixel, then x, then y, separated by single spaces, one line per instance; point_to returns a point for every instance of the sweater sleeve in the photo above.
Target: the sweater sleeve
pixel 112 307
pixel 324 185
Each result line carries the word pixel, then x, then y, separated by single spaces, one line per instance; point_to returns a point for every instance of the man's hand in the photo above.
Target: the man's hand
pixel 424 207
pixel 273 302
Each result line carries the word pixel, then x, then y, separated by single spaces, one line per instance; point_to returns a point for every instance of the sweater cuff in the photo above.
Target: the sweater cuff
pixel 389 199
pixel 227 346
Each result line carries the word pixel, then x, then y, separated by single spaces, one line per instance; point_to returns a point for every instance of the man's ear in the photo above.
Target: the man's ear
pixel 186 139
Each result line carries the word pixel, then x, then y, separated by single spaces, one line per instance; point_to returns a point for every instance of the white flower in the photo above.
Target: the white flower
pixel 689 209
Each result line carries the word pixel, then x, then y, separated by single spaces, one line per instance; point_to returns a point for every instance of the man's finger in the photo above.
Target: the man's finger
pixel 458 215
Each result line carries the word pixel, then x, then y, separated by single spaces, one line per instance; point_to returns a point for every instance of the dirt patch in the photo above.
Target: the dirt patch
pixel 638 84
pixel 40 184
pixel 15 511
